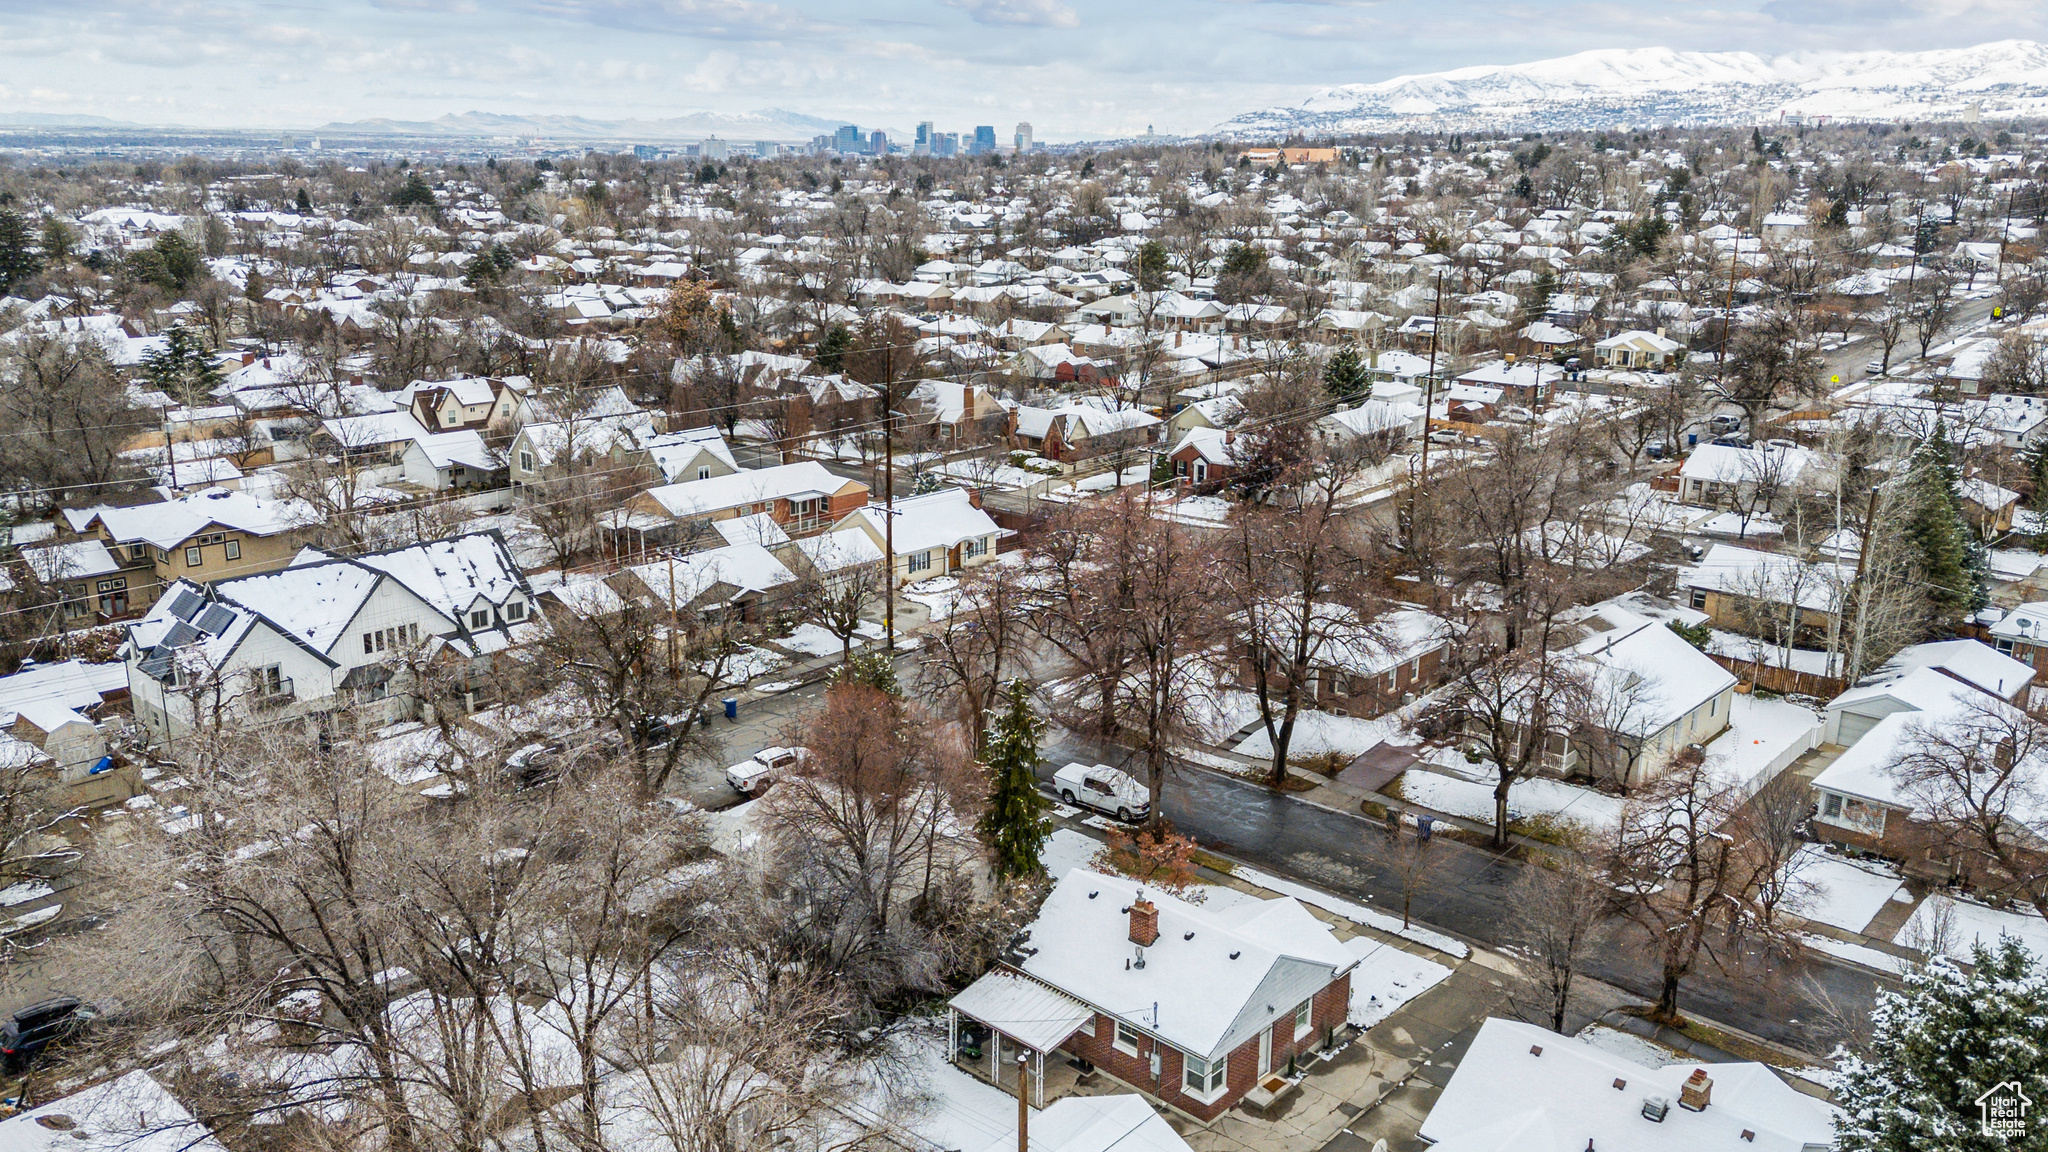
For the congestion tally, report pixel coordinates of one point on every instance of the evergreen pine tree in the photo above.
(1015, 825)
(833, 348)
(1940, 1044)
(873, 669)
(2037, 472)
(1947, 559)
(305, 202)
(18, 261)
(1345, 376)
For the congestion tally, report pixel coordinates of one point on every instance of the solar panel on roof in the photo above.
(185, 603)
(180, 635)
(156, 665)
(214, 620)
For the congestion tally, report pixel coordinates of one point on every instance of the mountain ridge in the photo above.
(1639, 87)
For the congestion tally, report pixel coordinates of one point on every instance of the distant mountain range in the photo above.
(768, 124)
(59, 120)
(1638, 87)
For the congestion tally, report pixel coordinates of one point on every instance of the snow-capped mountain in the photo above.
(1627, 87)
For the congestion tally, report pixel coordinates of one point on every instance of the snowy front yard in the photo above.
(1952, 925)
(1318, 732)
(1553, 800)
(1847, 894)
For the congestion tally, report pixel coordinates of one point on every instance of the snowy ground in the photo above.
(956, 1110)
(1630, 1046)
(811, 640)
(1388, 979)
(1961, 922)
(1763, 736)
(1846, 894)
(1196, 511)
(941, 594)
(1533, 797)
(1740, 647)
(1855, 953)
(750, 662)
(1319, 732)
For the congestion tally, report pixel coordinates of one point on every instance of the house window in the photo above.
(920, 561)
(233, 549)
(269, 680)
(1201, 1078)
(192, 557)
(704, 472)
(481, 618)
(1831, 804)
(369, 643)
(526, 461)
(138, 552)
(1699, 599)
(1301, 1019)
(516, 610)
(2004, 645)
(1126, 1040)
(1713, 706)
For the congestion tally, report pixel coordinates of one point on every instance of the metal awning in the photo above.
(1034, 1015)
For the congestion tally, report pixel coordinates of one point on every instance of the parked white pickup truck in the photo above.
(754, 774)
(1105, 789)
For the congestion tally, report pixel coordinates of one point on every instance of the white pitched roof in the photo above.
(131, 1114)
(1504, 1097)
(939, 519)
(1217, 977)
(797, 481)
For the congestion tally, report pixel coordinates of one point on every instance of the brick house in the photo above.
(1861, 799)
(1205, 458)
(802, 498)
(1079, 431)
(1366, 668)
(1196, 1009)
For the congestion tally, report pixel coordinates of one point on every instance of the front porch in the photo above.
(1005, 1015)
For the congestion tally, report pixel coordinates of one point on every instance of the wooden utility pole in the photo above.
(889, 512)
(1428, 405)
(1023, 1102)
(1856, 587)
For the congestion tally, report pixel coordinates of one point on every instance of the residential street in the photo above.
(1465, 891)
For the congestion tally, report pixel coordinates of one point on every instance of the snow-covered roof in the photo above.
(1768, 576)
(72, 684)
(1763, 463)
(1523, 1088)
(1927, 701)
(131, 1114)
(172, 522)
(744, 568)
(1121, 1123)
(1971, 661)
(1218, 978)
(939, 519)
(803, 480)
(1654, 671)
(1036, 1015)
(454, 573)
(76, 560)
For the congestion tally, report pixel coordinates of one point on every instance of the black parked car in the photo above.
(38, 1026)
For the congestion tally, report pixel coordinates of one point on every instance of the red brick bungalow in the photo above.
(1196, 1009)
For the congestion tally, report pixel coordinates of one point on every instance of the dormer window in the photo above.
(516, 610)
(481, 618)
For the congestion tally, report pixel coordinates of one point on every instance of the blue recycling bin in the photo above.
(732, 708)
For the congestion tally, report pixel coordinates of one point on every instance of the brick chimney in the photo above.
(1144, 923)
(1693, 1094)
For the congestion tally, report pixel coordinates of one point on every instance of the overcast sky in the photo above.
(1074, 68)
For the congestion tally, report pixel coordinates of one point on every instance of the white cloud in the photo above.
(1020, 13)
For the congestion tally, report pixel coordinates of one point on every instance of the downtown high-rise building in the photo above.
(1023, 138)
(984, 140)
(846, 139)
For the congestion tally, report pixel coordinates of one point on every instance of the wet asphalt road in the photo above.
(1465, 892)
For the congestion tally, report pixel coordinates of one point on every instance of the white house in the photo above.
(323, 635)
(1523, 1088)
(936, 534)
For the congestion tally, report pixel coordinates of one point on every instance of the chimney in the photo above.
(1696, 1090)
(1144, 922)
(1177, 337)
